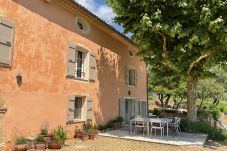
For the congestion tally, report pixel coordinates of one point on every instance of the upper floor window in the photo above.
(82, 25)
(6, 41)
(131, 53)
(81, 63)
(130, 76)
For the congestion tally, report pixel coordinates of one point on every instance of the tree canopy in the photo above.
(178, 38)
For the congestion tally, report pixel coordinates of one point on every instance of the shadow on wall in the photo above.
(110, 79)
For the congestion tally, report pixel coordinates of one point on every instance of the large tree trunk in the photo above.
(191, 100)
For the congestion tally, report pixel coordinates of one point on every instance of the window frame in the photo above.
(84, 63)
(130, 68)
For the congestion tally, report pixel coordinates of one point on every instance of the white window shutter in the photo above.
(122, 108)
(126, 75)
(135, 72)
(137, 108)
(89, 114)
(6, 41)
(143, 108)
(71, 108)
(71, 60)
(92, 66)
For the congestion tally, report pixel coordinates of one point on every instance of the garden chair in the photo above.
(140, 123)
(158, 125)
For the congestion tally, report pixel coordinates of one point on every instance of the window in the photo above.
(131, 53)
(130, 76)
(80, 65)
(6, 41)
(78, 104)
(80, 108)
(82, 25)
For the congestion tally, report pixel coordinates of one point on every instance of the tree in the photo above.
(210, 89)
(167, 87)
(182, 38)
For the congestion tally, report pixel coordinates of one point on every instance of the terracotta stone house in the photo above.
(62, 65)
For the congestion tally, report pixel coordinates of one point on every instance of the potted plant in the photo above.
(40, 143)
(46, 136)
(92, 133)
(85, 135)
(21, 144)
(78, 132)
(58, 138)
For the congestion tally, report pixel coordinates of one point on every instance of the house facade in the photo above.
(62, 65)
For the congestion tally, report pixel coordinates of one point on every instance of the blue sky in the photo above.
(99, 8)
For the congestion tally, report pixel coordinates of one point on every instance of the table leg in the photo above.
(130, 127)
(167, 129)
(148, 128)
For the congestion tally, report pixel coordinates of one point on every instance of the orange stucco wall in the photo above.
(42, 32)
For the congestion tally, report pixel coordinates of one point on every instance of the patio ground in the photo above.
(114, 144)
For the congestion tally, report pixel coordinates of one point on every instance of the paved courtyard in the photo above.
(185, 139)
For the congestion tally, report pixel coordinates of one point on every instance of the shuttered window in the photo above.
(80, 108)
(130, 76)
(81, 64)
(6, 41)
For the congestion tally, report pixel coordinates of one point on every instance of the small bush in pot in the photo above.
(78, 132)
(21, 144)
(58, 138)
(40, 143)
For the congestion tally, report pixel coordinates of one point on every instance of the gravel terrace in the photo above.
(113, 144)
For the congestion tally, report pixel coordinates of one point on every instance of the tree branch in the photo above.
(197, 61)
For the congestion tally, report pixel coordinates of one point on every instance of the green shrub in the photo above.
(203, 127)
(158, 112)
(43, 131)
(39, 138)
(20, 140)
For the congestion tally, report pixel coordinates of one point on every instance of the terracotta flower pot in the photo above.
(21, 147)
(84, 137)
(40, 145)
(54, 145)
(91, 136)
(47, 138)
(78, 135)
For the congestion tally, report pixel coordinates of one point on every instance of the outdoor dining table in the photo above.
(166, 121)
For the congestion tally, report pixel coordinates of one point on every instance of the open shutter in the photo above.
(71, 60)
(92, 66)
(6, 41)
(122, 108)
(137, 108)
(71, 108)
(143, 108)
(135, 74)
(126, 75)
(89, 115)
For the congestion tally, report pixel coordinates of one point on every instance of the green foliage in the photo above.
(110, 124)
(39, 138)
(60, 135)
(158, 112)
(43, 131)
(21, 140)
(213, 133)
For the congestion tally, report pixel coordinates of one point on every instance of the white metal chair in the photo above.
(157, 124)
(140, 123)
(176, 125)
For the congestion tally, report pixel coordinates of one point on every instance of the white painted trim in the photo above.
(127, 97)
